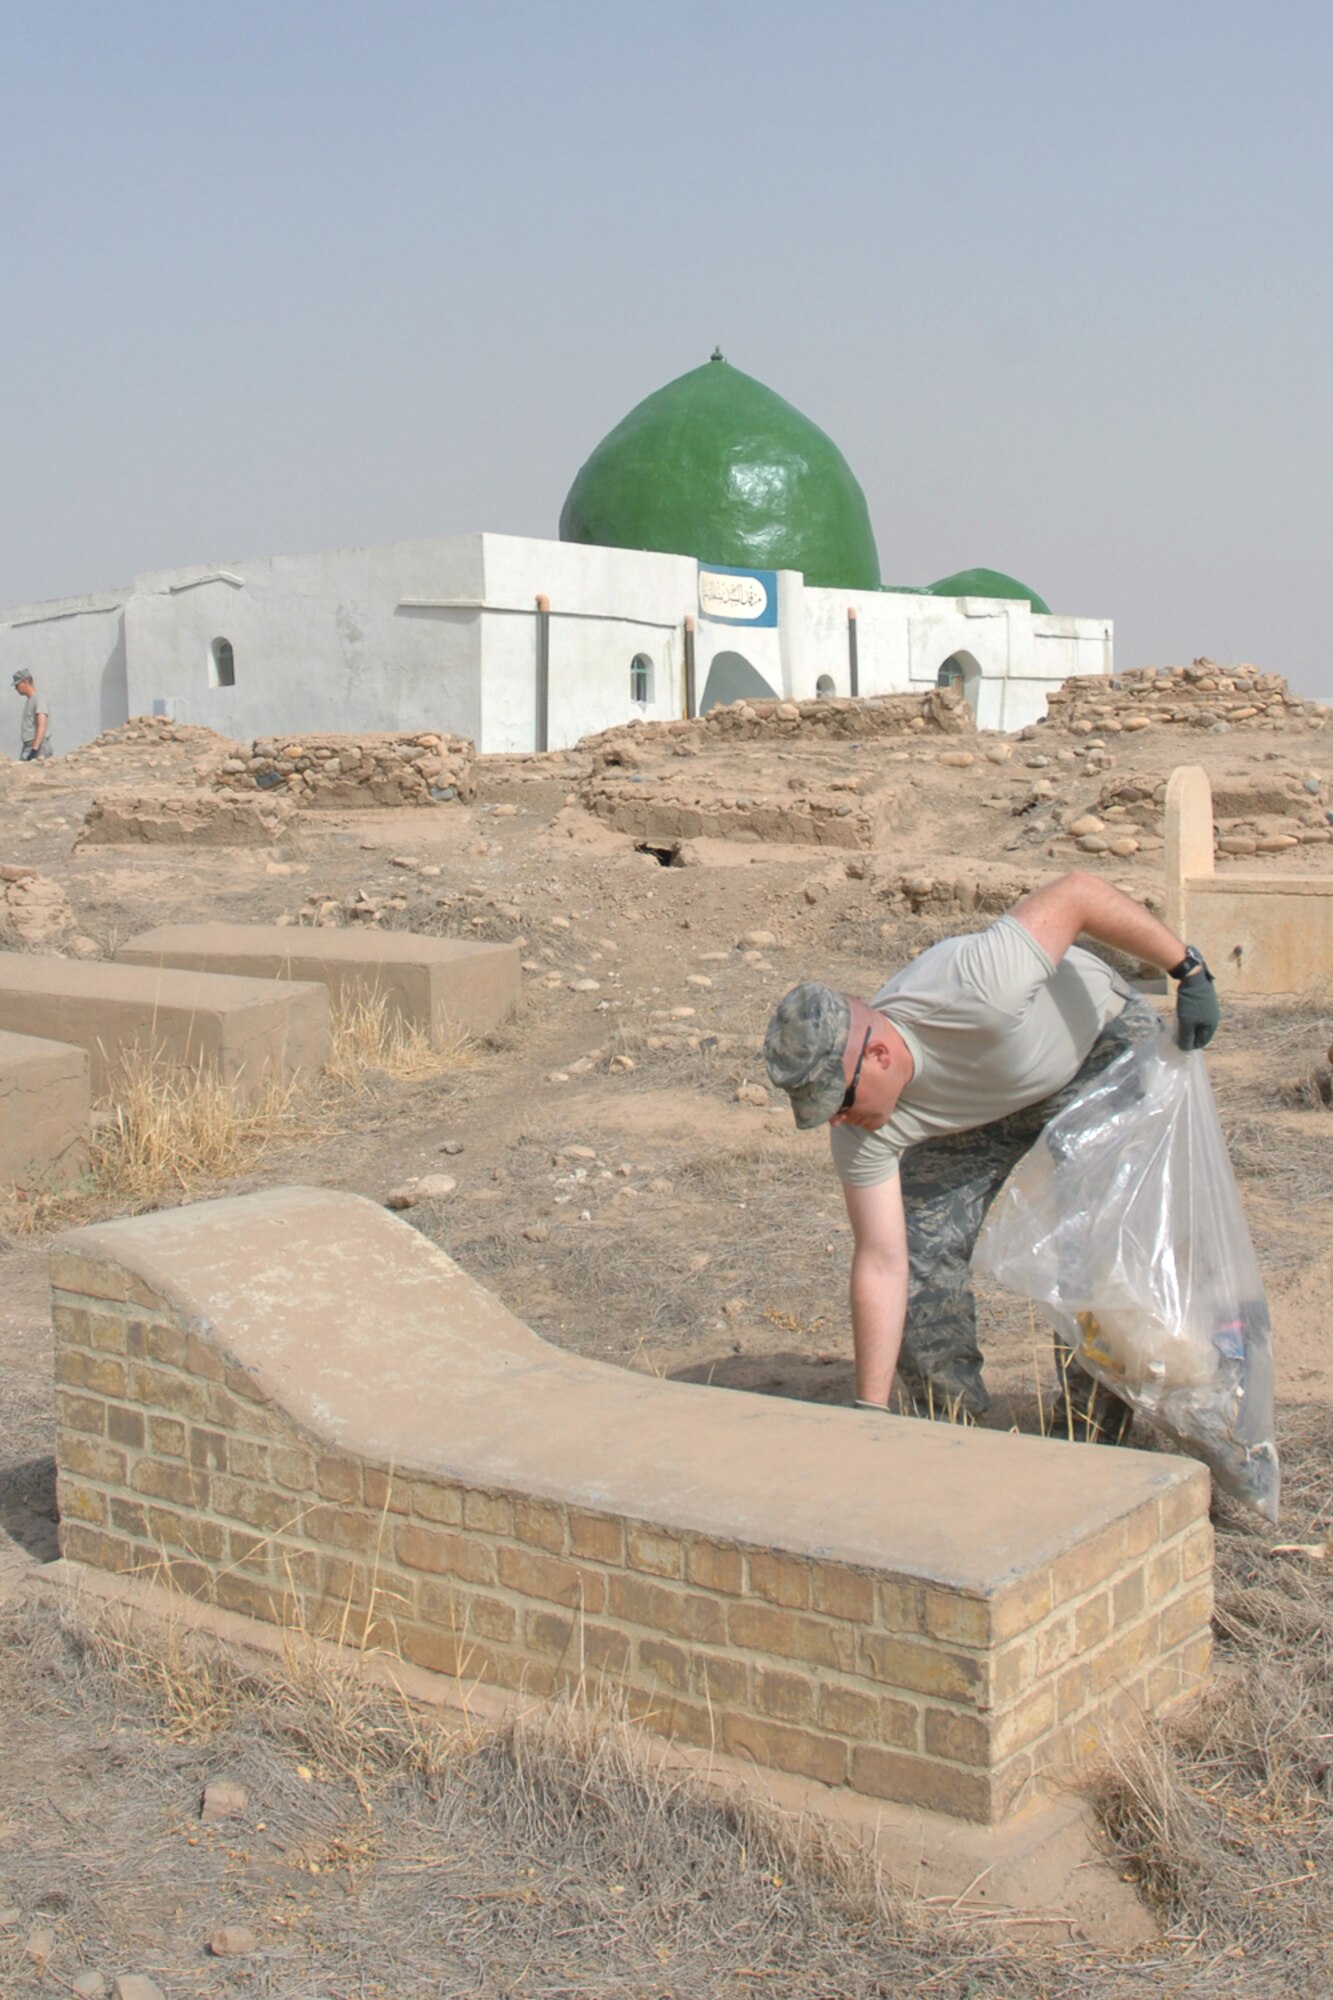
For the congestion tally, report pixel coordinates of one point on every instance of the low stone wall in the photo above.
(1201, 696)
(417, 769)
(186, 820)
(292, 1405)
(942, 710)
(661, 807)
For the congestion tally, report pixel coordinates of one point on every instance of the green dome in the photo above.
(716, 466)
(984, 583)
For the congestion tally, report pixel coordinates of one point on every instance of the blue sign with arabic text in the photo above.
(738, 596)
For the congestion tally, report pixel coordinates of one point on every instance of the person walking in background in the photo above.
(35, 730)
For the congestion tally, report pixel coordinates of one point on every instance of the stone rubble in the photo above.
(943, 710)
(415, 768)
(1201, 696)
(34, 910)
(183, 820)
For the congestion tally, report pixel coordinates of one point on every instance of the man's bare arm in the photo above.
(1056, 913)
(879, 1284)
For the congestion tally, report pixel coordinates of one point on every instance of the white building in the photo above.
(524, 644)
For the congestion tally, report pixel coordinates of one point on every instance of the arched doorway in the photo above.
(732, 678)
(961, 671)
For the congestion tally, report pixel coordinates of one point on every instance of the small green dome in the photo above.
(716, 466)
(984, 583)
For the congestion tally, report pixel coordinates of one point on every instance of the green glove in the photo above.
(1198, 1015)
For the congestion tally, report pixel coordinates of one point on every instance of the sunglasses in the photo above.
(849, 1095)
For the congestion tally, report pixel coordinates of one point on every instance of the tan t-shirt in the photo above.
(992, 1023)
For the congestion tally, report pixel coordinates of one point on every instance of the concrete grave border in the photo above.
(293, 1406)
(1259, 933)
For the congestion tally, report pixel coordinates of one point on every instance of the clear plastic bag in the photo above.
(1125, 1222)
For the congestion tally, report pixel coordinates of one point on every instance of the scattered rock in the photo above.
(224, 1798)
(135, 1986)
(537, 1232)
(430, 1187)
(89, 1985)
(751, 1093)
(39, 1945)
(233, 1941)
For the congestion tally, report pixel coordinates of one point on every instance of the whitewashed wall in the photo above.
(356, 639)
(606, 606)
(74, 648)
(444, 634)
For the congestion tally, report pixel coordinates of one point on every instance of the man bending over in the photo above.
(936, 1087)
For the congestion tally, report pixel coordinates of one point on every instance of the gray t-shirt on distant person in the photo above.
(992, 1024)
(32, 708)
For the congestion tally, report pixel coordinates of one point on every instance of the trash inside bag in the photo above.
(1125, 1222)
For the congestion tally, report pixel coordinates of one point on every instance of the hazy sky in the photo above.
(1056, 277)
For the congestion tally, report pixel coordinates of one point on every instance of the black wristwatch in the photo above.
(1193, 961)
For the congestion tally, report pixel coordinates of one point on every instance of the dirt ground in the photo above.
(623, 1184)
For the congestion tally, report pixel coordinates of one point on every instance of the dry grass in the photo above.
(1293, 1160)
(164, 1133)
(370, 1035)
(390, 1852)
(1225, 1816)
(170, 1131)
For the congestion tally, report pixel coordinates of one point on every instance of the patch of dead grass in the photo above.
(1224, 1814)
(369, 1034)
(165, 1133)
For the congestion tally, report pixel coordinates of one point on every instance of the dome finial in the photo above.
(717, 355)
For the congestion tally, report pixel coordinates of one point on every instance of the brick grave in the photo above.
(293, 1406)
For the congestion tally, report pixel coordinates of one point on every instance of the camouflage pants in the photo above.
(948, 1185)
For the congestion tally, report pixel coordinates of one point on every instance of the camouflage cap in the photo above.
(21, 676)
(803, 1050)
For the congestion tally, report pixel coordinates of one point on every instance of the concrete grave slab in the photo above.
(254, 1032)
(1260, 934)
(293, 1406)
(45, 1111)
(439, 984)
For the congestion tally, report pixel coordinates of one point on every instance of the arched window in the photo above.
(826, 685)
(641, 679)
(221, 664)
